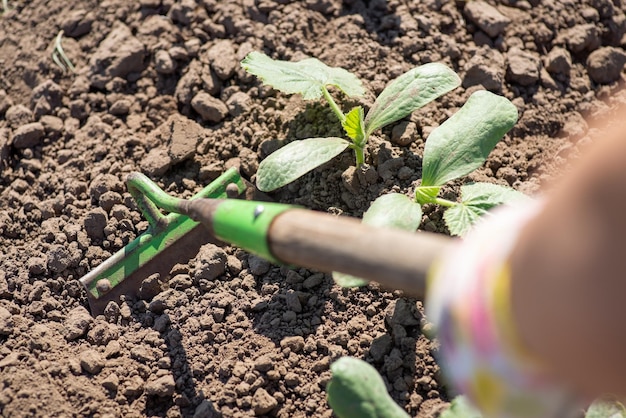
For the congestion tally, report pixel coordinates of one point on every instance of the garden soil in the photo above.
(157, 88)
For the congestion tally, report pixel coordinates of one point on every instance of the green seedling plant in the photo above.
(311, 78)
(356, 390)
(453, 150)
(59, 56)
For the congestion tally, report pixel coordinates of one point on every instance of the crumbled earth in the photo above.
(158, 89)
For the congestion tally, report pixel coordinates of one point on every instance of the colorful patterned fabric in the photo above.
(468, 302)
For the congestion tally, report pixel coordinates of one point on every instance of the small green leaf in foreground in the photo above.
(606, 409)
(462, 143)
(353, 125)
(391, 210)
(460, 408)
(306, 77)
(476, 200)
(356, 390)
(409, 92)
(296, 159)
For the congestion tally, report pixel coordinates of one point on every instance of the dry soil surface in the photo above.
(158, 89)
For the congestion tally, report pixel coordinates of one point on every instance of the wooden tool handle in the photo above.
(395, 259)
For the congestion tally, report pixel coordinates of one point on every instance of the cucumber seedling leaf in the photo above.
(306, 77)
(409, 92)
(476, 200)
(606, 409)
(460, 408)
(356, 390)
(462, 143)
(353, 125)
(296, 159)
(391, 210)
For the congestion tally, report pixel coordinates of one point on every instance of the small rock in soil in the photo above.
(210, 263)
(486, 17)
(559, 61)
(111, 382)
(605, 64)
(295, 343)
(77, 23)
(404, 133)
(209, 108)
(18, 115)
(163, 386)
(263, 363)
(6, 321)
(485, 68)
(77, 323)
(523, 67)
(293, 302)
(581, 37)
(91, 361)
(163, 62)
(380, 347)
(36, 265)
(258, 265)
(206, 410)
(223, 59)
(95, 222)
(150, 287)
(52, 124)
(156, 163)
(238, 103)
(59, 259)
(402, 312)
(120, 107)
(263, 402)
(29, 135)
(118, 55)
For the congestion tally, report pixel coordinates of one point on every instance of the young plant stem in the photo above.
(444, 202)
(360, 156)
(333, 105)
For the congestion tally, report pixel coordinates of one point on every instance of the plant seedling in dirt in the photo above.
(59, 57)
(311, 78)
(453, 150)
(356, 390)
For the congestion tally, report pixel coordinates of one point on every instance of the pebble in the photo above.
(29, 135)
(313, 281)
(91, 361)
(162, 387)
(380, 347)
(111, 382)
(605, 65)
(558, 61)
(120, 107)
(523, 67)
(209, 108)
(485, 68)
(18, 115)
(404, 133)
(223, 59)
(263, 363)
(293, 302)
(263, 402)
(163, 62)
(58, 259)
(95, 222)
(6, 322)
(486, 17)
(210, 263)
(402, 312)
(239, 103)
(77, 323)
(206, 410)
(258, 265)
(294, 343)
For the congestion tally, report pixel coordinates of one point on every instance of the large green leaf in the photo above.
(409, 92)
(460, 408)
(391, 210)
(462, 143)
(296, 159)
(606, 409)
(306, 77)
(356, 390)
(476, 200)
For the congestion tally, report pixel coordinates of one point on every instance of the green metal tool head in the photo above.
(170, 239)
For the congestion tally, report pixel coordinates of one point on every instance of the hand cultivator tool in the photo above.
(281, 233)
